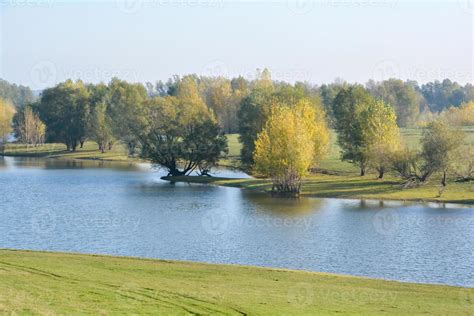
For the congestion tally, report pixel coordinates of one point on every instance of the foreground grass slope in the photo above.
(53, 283)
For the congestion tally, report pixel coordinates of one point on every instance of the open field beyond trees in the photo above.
(56, 283)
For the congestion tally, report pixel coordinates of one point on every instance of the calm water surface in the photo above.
(123, 209)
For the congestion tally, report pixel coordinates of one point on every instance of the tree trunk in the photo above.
(443, 180)
(82, 144)
(381, 173)
(176, 173)
(362, 172)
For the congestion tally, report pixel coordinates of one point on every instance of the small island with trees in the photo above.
(407, 142)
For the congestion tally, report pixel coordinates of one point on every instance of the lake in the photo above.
(124, 209)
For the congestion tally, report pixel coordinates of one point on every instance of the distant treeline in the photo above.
(412, 102)
(181, 124)
(14, 94)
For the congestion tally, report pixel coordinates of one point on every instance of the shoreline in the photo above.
(240, 183)
(360, 191)
(229, 265)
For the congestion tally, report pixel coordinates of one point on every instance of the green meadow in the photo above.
(69, 284)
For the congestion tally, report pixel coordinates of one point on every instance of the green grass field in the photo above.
(57, 283)
(90, 151)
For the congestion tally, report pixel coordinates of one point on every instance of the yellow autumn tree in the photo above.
(461, 116)
(294, 139)
(6, 115)
(380, 134)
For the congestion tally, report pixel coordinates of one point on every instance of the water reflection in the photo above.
(52, 163)
(3, 163)
(282, 206)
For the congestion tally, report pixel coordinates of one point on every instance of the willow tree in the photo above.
(380, 134)
(294, 139)
(181, 134)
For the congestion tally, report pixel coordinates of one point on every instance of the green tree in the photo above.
(125, 108)
(180, 133)
(400, 95)
(17, 95)
(65, 111)
(380, 134)
(348, 126)
(439, 145)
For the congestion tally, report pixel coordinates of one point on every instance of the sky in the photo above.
(46, 42)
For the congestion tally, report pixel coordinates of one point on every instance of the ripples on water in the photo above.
(125, 209)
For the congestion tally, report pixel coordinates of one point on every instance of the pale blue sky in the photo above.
(44, 42)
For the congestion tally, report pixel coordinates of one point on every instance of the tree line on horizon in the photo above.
(181, 124)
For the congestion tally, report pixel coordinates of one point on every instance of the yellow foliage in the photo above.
(380, 133)
(294, 139)
(6, 115)
(462, 116)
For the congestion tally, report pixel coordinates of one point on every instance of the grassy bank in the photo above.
(53, 283)
(88, 152)
(343, 182)
(353, 187)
